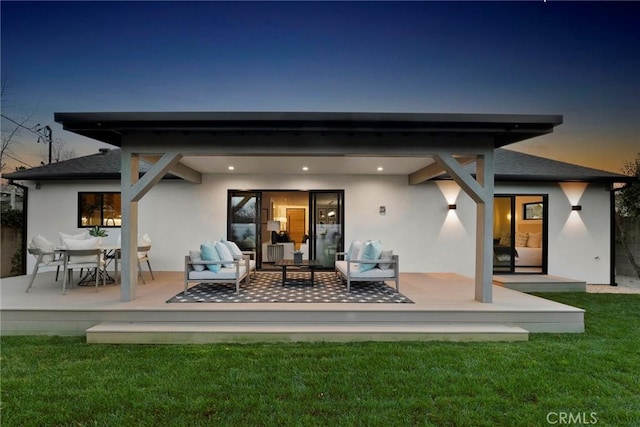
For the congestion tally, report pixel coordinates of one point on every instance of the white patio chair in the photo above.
(143, 256)
(81, 259)
(45, 259)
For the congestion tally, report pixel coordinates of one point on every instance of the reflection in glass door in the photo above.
(244, 219)
(327, 228)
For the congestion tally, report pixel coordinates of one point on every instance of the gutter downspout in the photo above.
(612, 219)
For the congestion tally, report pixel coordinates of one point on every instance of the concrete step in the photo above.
(215, 332)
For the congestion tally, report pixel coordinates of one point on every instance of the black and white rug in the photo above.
(267, 287)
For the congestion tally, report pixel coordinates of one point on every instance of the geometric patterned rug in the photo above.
(267, 287)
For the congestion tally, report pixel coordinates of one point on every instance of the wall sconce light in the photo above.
(452, 206)
(576, 207)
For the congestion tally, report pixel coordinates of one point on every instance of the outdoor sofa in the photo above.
(232, 269)
(359, 264)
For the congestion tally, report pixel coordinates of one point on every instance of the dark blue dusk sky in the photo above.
(581, 60)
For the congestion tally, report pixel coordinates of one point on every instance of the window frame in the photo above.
(96, 193)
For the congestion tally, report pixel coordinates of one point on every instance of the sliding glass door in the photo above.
(244, 219)
(326, 210)
(520, 233)
(317, 214)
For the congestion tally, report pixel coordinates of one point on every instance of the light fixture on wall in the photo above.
(452, 206)
(576, 207)
(273, 227)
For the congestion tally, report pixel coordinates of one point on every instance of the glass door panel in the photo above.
(244, 220)
(327, 212)
(503, 248)
(520, 234)
(530, 231)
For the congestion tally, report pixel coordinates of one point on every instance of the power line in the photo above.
(45, 134)
(20, 124)
(17, 160)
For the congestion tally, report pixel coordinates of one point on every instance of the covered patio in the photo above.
(444, 309)
(175, 142)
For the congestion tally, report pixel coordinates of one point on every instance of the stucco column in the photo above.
(484, 229)
(480, 190)
(129, 239)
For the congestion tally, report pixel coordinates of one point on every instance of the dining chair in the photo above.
(143, 256)
(81, 259)
(45, 259)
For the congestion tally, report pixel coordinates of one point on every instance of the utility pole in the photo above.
(45, 135)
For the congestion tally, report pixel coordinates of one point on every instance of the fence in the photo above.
(11, 248)
(623, 265)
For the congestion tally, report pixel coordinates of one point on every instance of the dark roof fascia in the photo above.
(552, 179)
(77, 177)
(530, 178)
(110, 126)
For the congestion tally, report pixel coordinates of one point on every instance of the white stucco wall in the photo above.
(418, 225)
(579, 241)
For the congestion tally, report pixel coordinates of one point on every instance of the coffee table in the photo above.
(305, 265)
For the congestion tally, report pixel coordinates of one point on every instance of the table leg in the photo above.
(312, 277)
(284, 275)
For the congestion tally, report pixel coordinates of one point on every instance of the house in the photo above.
(438, 188)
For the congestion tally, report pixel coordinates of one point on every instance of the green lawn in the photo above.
(589, 377)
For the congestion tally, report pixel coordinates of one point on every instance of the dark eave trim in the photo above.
(110, 126)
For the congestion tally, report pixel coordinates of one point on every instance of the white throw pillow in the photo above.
(195, 256)
(505, 238)
(233, 248)
(81, 236)
(386, 254)
(225, 255)
(91, 243)
(535, 240)
(521, 239)
(354, 250)
(44, 245)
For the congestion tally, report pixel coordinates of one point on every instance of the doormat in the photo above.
(267, 287)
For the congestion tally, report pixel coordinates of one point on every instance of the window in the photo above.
(102, 209)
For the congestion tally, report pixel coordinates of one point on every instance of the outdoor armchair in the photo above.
(45, 259)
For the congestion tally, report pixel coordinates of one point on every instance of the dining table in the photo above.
(111, 254)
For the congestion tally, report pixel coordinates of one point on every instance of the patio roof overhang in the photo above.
(503, 129)
(447, 141)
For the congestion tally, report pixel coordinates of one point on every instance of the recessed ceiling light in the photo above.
(380, 168)
(305, 168)
(231, 168)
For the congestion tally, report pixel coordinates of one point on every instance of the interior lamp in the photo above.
(274, 228)
(452, 206)
(576, 207)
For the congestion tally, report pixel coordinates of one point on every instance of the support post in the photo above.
(484, 229)
(480, 190)
(129, 237)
